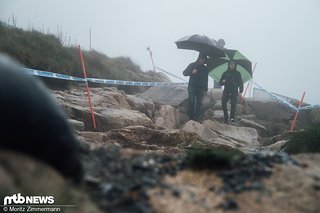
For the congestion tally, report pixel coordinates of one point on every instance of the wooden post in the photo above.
(154, 68)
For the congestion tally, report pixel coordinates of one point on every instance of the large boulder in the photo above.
(169, 117)
(112, 108)
(244, 134)
(76, 125)
(107, 118)
(216, 134)
(262, 130)
(100, 98)
(167, 95)
(198, 128)
(119, 118)
(142, 105)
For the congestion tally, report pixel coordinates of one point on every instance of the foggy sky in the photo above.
(281, 36)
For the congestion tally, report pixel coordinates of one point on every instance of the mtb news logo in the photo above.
(19, 199)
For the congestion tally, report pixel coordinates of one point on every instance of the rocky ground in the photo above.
(137, 160)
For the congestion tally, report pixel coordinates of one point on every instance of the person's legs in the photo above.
(224, 101)
(234, 99)
(197, 111)
(191, 102)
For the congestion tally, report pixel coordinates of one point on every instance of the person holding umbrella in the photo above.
(197, 86)
(233, 84)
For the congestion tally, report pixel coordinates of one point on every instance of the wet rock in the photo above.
(113, 170)
(275, 147)
(76, 125)
(142, 105)
(248, 170)
(173, 96)
(262, 130)
(201, 130)
(166, 116)
(229, 204)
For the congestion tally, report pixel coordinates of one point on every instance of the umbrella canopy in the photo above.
(200, 43)
(217, 66)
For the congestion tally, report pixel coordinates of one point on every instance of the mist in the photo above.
(282, 37)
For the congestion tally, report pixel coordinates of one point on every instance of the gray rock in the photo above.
(119, 118)
(167, 94)
(76, 125)
(199, 129)
(275, 147)
(248, 123)
(169, 117)
(142, 105)
(245, 135)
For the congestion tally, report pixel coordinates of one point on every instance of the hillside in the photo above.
(42, 51)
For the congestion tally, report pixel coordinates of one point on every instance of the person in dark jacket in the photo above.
(197, 86)
(232, 82)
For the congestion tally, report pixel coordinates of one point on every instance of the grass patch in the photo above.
(37, 50)
(305, 141)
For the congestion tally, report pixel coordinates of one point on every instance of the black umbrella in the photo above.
(200, 43)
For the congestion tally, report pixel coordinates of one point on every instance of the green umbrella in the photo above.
(217, 66)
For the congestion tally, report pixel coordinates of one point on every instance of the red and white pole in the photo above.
(296, 115)
(87, 87)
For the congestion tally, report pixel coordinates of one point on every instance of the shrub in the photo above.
(305, 141)
(315, 115)
(204, 158)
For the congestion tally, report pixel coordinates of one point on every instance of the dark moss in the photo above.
(203, 158)
(305, 141)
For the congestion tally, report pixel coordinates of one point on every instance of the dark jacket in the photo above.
(198, 80)
(233, 81)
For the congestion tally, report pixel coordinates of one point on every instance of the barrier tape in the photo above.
(53, 75)
(287, 103)
(310, 107)
(276, 97)
(150, 84)
(99, 80)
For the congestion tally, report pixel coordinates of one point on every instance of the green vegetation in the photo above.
(305, 141)
(203, 158)
(315, 115)
(41, 51)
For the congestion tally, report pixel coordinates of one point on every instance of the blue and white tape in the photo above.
(52, 75)
(147, 84)
(134, 83)
(310, 107)
(101, 81)
(276, 97)
(287, 103)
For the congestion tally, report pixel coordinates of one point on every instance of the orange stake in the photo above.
(87, 87)
(296, 115)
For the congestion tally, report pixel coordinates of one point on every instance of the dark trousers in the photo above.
(233, 96)
(195, 102)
